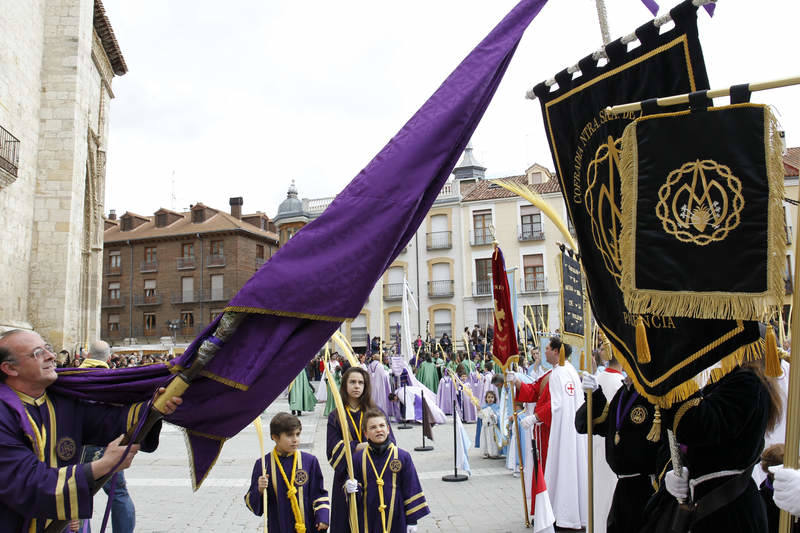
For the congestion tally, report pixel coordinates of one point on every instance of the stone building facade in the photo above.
(57, 62)
(171, 273)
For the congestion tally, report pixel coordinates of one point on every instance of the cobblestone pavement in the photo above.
(490, 501)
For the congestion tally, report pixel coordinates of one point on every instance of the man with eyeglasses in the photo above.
(41, 436)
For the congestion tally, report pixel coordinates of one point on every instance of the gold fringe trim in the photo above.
(260, 311)
(186, 432)
(642, 347)
(562, 357)
(704, 304)
(748, 352)
(174, 369)
(583, 361)
(772, 364)
(655, 429)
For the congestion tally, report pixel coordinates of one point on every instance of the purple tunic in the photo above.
(402, 492)
(311, 494)
(340, 511)
(44, 479)
(445, 395)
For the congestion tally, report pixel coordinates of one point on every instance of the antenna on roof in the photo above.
(172, 202)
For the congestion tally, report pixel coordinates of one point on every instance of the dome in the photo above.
(291, 206)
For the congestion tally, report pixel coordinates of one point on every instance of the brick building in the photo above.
(172, 273)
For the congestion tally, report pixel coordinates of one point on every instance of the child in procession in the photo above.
(387, 489)
(296, 494)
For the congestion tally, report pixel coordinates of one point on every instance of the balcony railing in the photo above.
(260, 262)
(147, 299)
(186, 263)
(9, 152)
(482, 288)
(787, 280)
(216, 295)
(530, 233)
(149, 266)
(393, 291)
(116, 333)
(441, 288)
(185, 297)
(480, 237)
(143, 333)
(113, 302)
(533, 284)
(112, 271)
(215, 261)
(440, 240)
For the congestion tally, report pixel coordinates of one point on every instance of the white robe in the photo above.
(778, 434)
(566, 470)
(489, 423)
(605, 481)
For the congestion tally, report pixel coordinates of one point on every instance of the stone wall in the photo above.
(55, 79)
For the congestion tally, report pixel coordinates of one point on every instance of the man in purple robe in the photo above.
(41, 436)
(390, 498)
(301, 470)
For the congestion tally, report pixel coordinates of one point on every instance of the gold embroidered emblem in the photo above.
(300, 478)
(602, 204)
(638, 414)
(395, 465)
(700, 202)
(65, 448)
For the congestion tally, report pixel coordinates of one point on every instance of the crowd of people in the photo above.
(65, 359)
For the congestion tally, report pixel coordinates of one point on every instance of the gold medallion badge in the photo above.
(300, 478)
(395, 465)
(638, 414)
(700, 203)
(65, 448)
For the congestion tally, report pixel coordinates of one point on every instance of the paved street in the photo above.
(490, 501)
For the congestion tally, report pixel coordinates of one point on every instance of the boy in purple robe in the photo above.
(390, 497)
(41, 435)
(356, 396)
(286, 467)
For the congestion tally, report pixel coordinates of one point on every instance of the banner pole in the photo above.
(520, 460)
(792, 440)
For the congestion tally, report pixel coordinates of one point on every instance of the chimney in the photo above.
(112, 215)
(236, 207)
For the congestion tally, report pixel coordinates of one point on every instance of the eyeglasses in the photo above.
(39, 353)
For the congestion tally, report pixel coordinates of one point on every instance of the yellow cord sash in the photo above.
(379, 482)
(291, 491)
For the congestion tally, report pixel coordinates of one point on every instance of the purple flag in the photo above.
(325, 273)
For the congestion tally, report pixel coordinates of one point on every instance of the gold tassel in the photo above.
(772, 363)
(583, 360)
(642, 348)
(561, 355)
(655, 429)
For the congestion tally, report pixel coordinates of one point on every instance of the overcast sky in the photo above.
(238, 98)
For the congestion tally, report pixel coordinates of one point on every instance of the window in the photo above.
(481, 223)
(149, 322)
(539, 317)
(187, 249)
(485, 318)
(483, 276)
(533, 270)
(113, 290)
(187, 320)
(217, 248)
(113, 323)
(150, 254)
(114, 260)
(358, 330)
(161, 220)
(395, 318)
(198, 216)
(149, 288)
(187, 289)
(442, 323)
(259, 251)
(531, 223)
(214, 313)
(217, 284)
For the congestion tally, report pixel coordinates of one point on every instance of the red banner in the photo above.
(504, 347)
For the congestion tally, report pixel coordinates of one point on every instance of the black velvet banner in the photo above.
(585, 142)
(703, 233)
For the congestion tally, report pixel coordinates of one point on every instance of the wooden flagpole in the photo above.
(792, 440)
(260, 432)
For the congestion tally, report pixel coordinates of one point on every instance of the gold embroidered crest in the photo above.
(700, 203)
(395, 465)
(65, 448)
(638, 414)
(300, 478)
